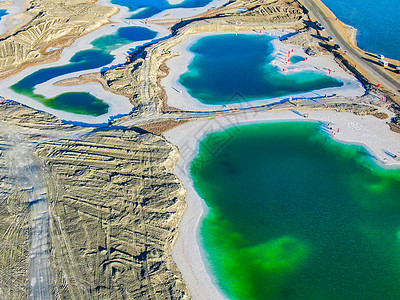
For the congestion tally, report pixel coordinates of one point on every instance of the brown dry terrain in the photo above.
(14, 230)
(114, 208)
(49, 23)
(20, 128)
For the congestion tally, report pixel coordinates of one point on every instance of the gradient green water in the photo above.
(296, 215)
(98, 56)
(227, 64)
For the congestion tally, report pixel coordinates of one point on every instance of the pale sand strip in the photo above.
(178, 13)
(118, 104)
(178, 96)
(174, 2)
(369, 131)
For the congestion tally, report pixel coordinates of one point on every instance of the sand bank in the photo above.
(178, 13)
(369, 131)
(179, 97)
(174, 2)
(118, 104)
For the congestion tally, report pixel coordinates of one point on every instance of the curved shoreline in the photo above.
(80, 44)
(179, 97)
(368, 131)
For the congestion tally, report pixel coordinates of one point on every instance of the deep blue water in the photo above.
(377, 23)
(151, 8)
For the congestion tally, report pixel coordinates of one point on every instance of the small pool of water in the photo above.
(227, 65)
(296, 58)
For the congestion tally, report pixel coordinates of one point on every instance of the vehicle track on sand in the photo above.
(27, 171)
(24, 168)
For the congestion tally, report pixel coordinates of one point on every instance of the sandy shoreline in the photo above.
(178, 13)
(178, 96)
(118, 104)
(369, 131)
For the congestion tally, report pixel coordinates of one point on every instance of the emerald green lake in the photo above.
(228, 64)
(293, 214)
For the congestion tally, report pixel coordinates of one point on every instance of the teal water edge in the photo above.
(151, 8)
(98, 56)
(227, 64)
(376, 21)
(293, 214)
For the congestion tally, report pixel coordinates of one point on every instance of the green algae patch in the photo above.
(281, 255)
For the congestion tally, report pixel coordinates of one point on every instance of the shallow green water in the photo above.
(296, 215)
(227, 65)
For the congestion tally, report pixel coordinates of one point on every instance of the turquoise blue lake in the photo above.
(98, 56)
(296, 215)
(376, 22)
(296, 58)
(229, 64)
